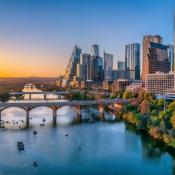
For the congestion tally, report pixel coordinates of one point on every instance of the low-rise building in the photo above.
(120, 85)
(135, 86)
(160, 83)
(107, 85)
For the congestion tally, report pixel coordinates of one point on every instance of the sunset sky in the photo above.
(37, 36)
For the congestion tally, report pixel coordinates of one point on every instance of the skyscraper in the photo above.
(71, 69)
(121, 65)
(132, 59)
(108, 66)
(97, 71)
(171, 56)
(95, 50)
(85, 66)
(155, 56)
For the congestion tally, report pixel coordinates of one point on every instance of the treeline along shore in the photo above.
(145, 113)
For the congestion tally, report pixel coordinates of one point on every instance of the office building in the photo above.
(121, 65)
(108, 66)
(71, 69)
(95, 50)
(97, 71)
(85, 66)
(132, 59)
(120, 85)
(155, 56)
(160, 83)
(171, 56)
(123, 74)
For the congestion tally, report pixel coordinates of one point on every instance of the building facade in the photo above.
(97, 71)
(132, 59)
(71, 69)
(171, 56)
(95, 50)
(155, 56)
(85, 66)
(108, 66)
(121, 65)
(160, 83)
(123, 74)
(120, 85)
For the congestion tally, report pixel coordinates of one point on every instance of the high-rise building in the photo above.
(155, 56)
(71, 69)
(97, 71)
(132, 59)
(121, 65)
(174, 42)
(85, 63)
(95, 50)
(108, 66)
(171, 56)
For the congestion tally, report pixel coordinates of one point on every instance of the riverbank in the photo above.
(151, 116)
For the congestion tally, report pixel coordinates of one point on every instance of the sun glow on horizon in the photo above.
(19, 63)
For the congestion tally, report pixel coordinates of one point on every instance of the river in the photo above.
(101, 147)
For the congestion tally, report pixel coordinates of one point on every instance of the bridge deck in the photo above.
(59, 103)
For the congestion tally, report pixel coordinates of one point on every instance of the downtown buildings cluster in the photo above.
(91, 70)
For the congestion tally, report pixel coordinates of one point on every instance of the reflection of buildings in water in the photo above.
(15, 118)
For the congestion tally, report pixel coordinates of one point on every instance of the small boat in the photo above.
(35, 164)
(42, 124)
(20, 146)
(66, 135)
(44, 119)
(35, 132)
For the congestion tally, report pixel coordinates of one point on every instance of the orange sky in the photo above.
(24, 63)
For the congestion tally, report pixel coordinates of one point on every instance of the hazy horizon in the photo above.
(38, 36)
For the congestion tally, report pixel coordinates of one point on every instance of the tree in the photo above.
(145, 107)
(5, 96)
(173, 121)
(141, 95)
(149, 96)
(155, 133)
(160, 102)
(171, 106)
(128, 95)
(116, 94)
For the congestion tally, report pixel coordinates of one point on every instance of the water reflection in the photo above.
(15, 118)
(106, 148)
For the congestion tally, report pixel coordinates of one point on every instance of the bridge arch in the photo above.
(37, 107)
(3, 109)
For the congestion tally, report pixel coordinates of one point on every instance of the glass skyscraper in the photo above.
(132, 59)
(108, 66)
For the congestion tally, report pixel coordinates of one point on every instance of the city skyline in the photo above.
(37, 42)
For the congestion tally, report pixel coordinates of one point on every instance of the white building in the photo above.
(160, 83)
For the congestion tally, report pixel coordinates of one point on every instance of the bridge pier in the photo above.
(27, 117)
(0, 119)
(101, 111)
(45, 96)
(30, 96)
(54, 108)
(78, 111)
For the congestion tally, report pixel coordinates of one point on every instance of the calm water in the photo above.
(106, 147)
